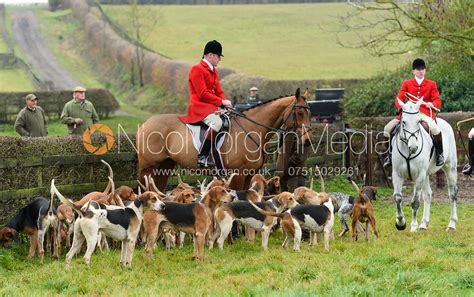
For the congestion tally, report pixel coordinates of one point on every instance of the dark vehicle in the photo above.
(326, 106)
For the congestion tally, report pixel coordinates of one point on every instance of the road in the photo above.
(28, 36)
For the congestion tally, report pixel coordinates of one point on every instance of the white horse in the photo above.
(413, 158)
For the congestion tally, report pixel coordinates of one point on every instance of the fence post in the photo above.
(370, 180)
(40, 177)
(347, 152)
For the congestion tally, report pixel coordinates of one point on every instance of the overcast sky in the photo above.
(23, 1)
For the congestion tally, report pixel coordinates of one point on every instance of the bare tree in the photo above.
(143, 22)
(397, 27)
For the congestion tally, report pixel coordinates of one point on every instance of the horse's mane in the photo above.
(265, 102)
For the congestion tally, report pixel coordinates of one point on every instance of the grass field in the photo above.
(14, 80)
(3, 46)
(430, 263)
(282, 41)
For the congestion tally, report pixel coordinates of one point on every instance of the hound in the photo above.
(153, 222)
(196, 218)
(273, 186)
(317, 218)
(122, 224)
(36, 219)
(363, 212)
(66, 223)
(242, 211)
(306, 195)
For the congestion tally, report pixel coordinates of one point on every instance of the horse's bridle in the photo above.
(292, 112)
(287, 129)
(280, 130)
(404, 139)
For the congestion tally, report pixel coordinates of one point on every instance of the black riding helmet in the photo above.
(214, 47)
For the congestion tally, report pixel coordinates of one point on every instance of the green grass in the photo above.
(55, 128)
(14, 80)
(282, 41)
(3, 46)
(431, 263)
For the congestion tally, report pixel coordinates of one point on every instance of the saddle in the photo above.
(198, 131)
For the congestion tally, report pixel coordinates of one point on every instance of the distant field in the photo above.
(286, 41)
(14, 80)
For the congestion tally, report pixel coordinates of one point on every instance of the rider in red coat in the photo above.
(419, 87)
(206, 97)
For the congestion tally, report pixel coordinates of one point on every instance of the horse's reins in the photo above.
(405, 140)
(242, 115)
(278, 130)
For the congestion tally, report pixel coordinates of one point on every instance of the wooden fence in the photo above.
(27, 176)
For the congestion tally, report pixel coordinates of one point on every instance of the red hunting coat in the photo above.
(427, 89)
(205, 92)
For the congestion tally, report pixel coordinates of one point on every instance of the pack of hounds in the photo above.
(207, 212)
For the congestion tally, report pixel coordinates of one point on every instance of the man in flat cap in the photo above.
(206, 97)
(79, 113)
(31, 121)
(419, 87)
(253, 98)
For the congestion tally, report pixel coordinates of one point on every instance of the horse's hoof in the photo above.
(402, 227)
(450, 229)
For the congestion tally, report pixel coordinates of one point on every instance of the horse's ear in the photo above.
(297, 93)
(306, 94)
(400, 102)
(418, 104)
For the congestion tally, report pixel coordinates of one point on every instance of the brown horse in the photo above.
(164, 141)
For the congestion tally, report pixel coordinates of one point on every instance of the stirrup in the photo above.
(204, 162)
(467, 170)
(388, 161)
(439, 160)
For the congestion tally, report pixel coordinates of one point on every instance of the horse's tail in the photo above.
(355, 186)
(67, 202)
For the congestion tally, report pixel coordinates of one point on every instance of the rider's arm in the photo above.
(435, 99)
(198, 81)
(401, 95)
(219, 91)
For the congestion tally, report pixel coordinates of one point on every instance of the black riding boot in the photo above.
(387, 162)
(206, 148)
(470, 167)
(438, 143)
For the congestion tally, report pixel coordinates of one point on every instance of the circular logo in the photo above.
(104, 147)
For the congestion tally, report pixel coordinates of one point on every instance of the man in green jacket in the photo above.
(31, 120)
(253, 98)
(79, 113)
